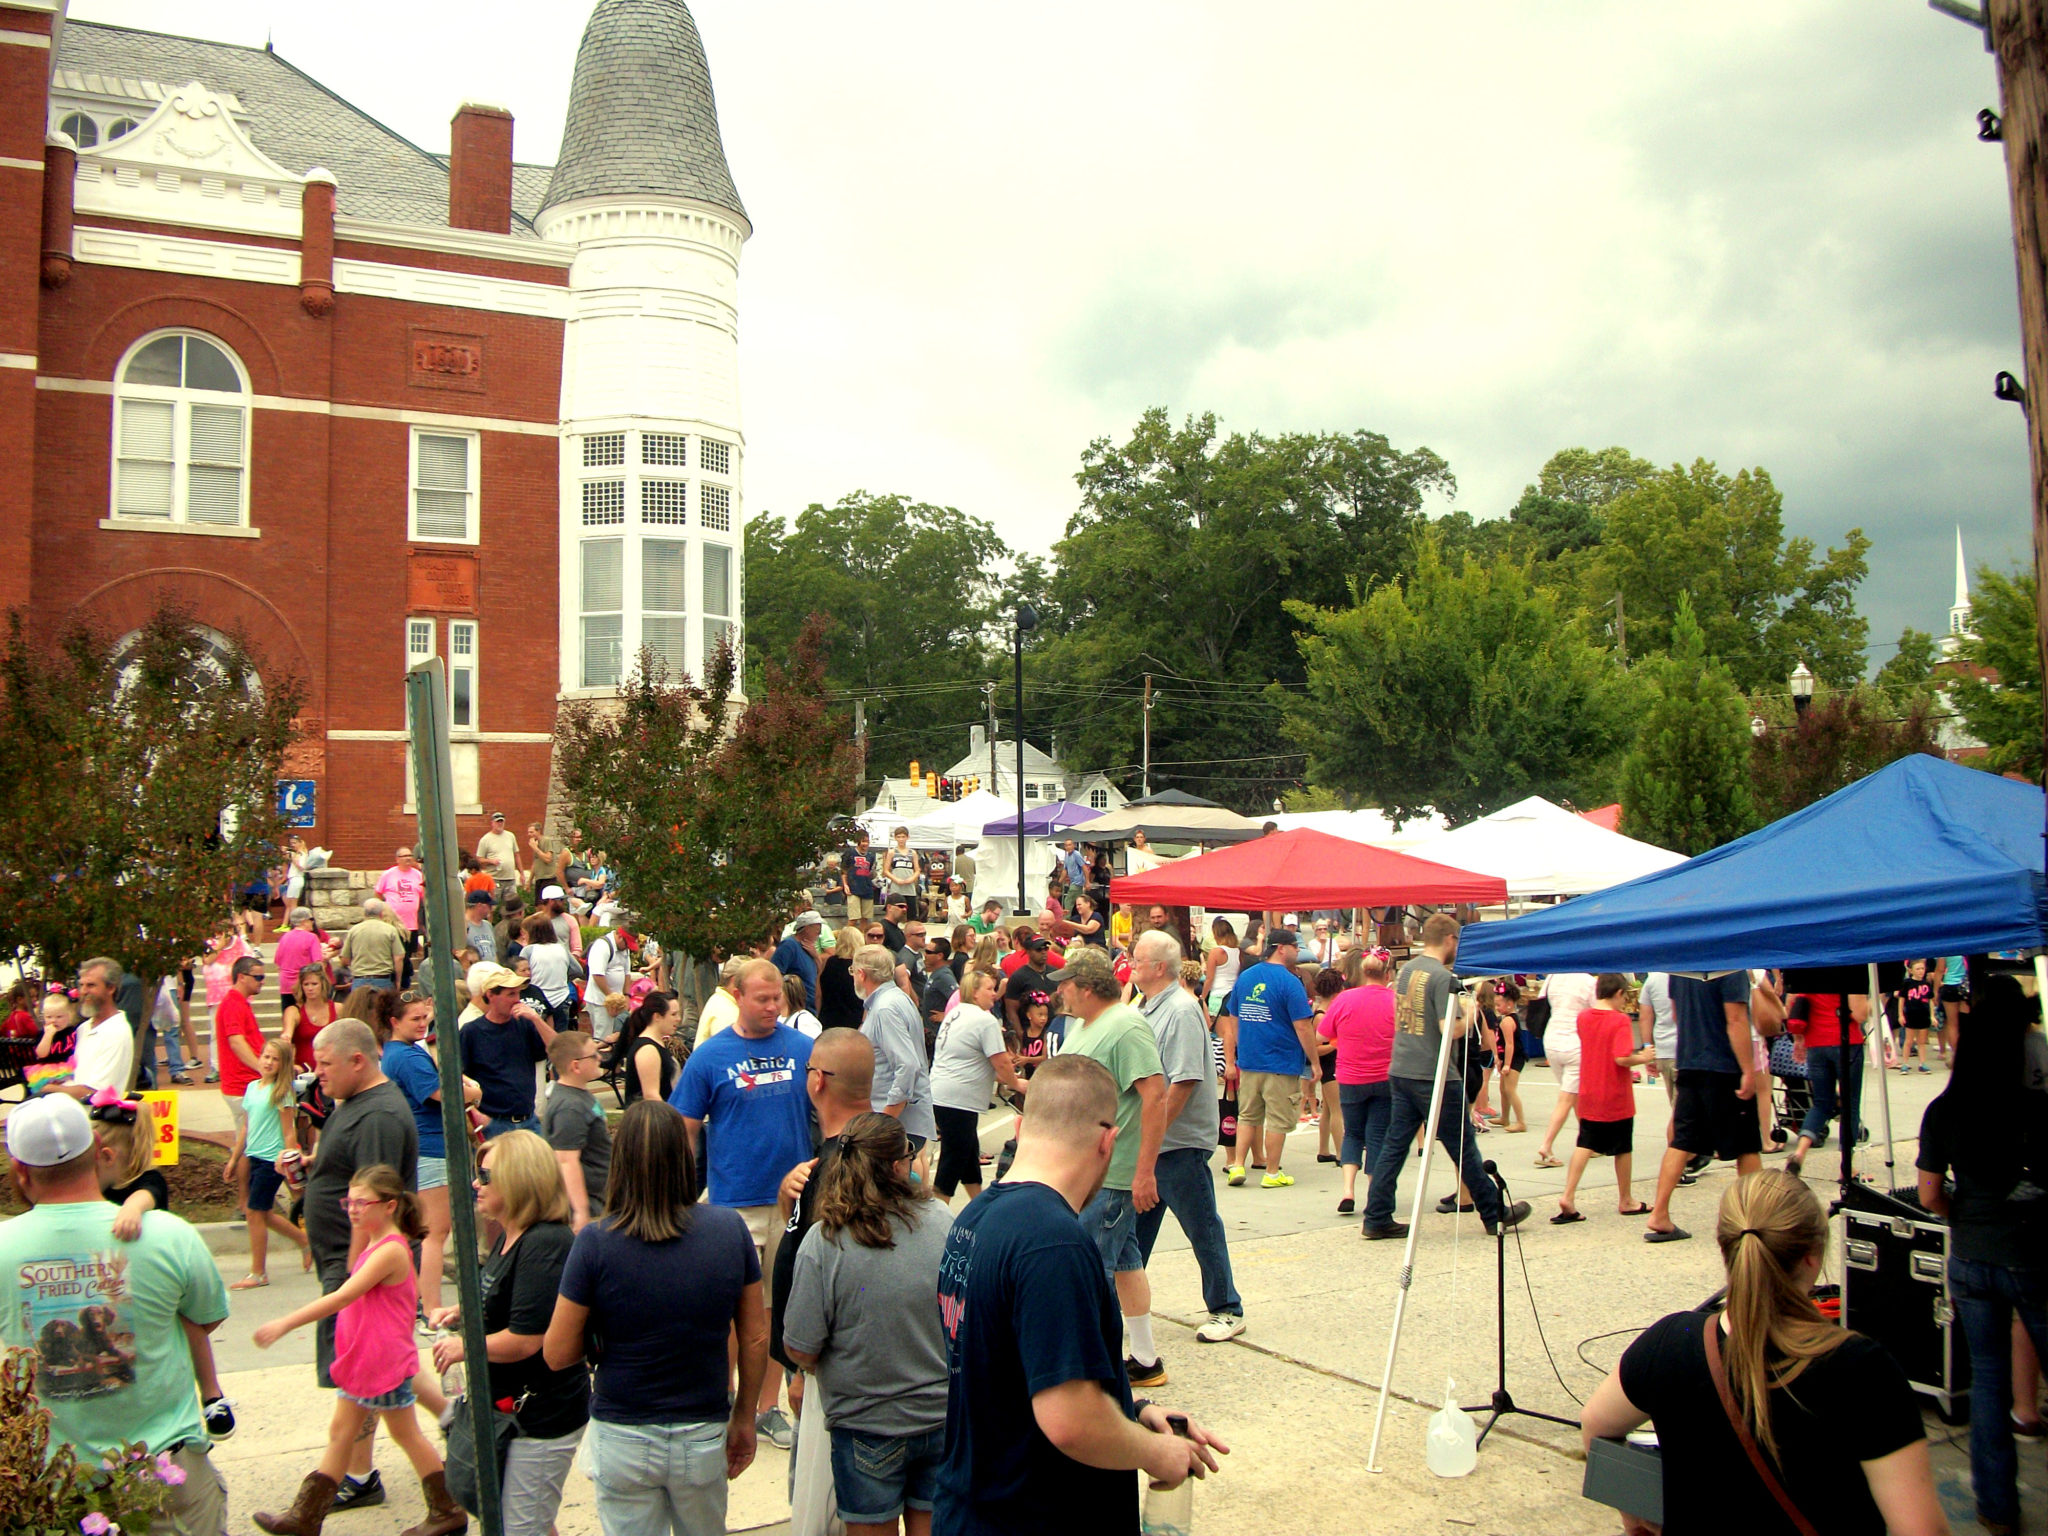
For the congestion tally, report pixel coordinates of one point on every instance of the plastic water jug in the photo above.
(1452, 1448)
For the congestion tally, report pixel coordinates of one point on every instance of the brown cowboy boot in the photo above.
(444, 1515)
(308, 1511)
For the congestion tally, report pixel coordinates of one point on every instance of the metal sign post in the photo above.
(426, 698)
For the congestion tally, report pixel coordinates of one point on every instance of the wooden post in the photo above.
(2018, 34)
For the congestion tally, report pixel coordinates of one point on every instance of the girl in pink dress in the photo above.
(375, 1358)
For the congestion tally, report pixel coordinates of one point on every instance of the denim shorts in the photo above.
(1112, 1220)
(433, 1173)
(877, 1477)
(399, 1396)
(264, 1183)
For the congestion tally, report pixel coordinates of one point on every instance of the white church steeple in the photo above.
(1959, 611)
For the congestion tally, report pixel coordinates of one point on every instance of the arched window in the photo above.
(120, 128)
(85, 133)
(181, 433)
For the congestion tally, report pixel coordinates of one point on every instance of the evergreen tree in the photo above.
(1686, 784)
(1998, 694)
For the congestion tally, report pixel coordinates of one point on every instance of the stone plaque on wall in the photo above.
(445, 360)
(441, 583)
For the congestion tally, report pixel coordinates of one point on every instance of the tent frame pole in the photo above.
(1884, 1086)
(1436, 1106)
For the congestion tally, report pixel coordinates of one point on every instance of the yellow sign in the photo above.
(164, 1106)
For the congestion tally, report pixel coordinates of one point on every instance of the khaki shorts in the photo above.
(199, 1505)
(1271, 1099)
(764, 1224)
(860, 908)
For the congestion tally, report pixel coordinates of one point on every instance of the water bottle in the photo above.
(1170, 1511)
(1452, 1448)
(454, 1379)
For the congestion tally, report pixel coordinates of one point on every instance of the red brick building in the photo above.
(360, 402)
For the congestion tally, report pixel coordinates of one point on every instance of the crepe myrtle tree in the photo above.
(138, 789)
(710, 812)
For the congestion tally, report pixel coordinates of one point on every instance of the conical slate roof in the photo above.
(642, 118)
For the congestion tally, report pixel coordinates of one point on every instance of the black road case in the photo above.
(1895, 1290)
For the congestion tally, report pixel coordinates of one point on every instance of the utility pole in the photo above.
(1146, 777)
(995, 783)
(860, 737)
(1621, 627)
(2016, 31)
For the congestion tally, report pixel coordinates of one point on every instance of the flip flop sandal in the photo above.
(1566, 1218)
(1675, 1235)
(1548, 1162)
(249, 1282)
(1638, 1209)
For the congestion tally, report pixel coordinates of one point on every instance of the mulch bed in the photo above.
(198, 1192)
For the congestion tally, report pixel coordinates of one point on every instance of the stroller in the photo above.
(1792, 1096)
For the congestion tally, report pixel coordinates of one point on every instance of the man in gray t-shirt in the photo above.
(867, 1322)
(1186, 1186)
(1422, 1002)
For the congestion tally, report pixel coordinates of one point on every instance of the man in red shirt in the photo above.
(240, 1041)
(1607, 1095)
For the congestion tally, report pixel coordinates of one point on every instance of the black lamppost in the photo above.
(1027, 618)
(1802, 688)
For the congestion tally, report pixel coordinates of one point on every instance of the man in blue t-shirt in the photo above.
(857, 877)
(1715, 1112)
(501, 1049)
(746, 1084)
(1269, 1040)
(1041, 1430)
(797, 954)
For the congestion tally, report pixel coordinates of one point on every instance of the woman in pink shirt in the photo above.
(1361, 1021)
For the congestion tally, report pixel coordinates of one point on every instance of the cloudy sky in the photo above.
(1762, 233)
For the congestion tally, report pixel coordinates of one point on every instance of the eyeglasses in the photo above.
(360, 1202)
(1107, 1125)
(483, 1178)
(824, 1072)
(875, 933)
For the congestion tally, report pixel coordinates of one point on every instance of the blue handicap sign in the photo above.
(295, 802)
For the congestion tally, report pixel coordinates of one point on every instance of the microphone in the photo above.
(1489, 1168)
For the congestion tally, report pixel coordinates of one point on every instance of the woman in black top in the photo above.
(838, 1004)
(644, 1048)
(1828, 1413)
(1991, 1133)
(520, 1188)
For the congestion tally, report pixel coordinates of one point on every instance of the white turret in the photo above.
(651, 442)
(1959, 611)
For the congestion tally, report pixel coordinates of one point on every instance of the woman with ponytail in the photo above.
(1770, 1417)
(861, 1316)
(1989, 1132)
(643, 1047)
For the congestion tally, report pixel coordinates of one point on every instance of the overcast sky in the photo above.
(1764, 234)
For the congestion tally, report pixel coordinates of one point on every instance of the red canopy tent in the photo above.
(1304, 868)
(1608, 816)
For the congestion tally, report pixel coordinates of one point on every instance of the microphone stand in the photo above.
(1503, 1401)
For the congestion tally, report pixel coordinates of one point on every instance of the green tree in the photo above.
(1466, 691)
(711, 813)
(1180, 562)
(1806, 755)
(1764, 602)
(1685, 786)
(1999, 692)
(1912, 664)
(911, 590)
(1588, 478)
(138, 786)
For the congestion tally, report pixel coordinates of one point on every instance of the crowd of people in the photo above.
(907, 1178)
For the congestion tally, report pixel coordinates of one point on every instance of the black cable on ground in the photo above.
(1529, 1286)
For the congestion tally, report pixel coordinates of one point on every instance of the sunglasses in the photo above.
(483, 1177)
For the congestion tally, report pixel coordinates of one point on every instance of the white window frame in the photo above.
(413, 654)
(1098, 799)
(181, 399)
(472, 515)
(458, 662)
(628, 570)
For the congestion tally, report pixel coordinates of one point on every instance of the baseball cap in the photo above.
(1281, 936)
(808, 920)
(482, 899)
(493, 978)
(1088, 963)
(552, 893)
(1038, 941)
(49, 1130)
(497, 815)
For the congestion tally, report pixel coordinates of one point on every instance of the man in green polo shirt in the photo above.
(1117, 1035)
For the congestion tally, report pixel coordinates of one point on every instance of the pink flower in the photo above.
(97, 1524)
(167, 1469)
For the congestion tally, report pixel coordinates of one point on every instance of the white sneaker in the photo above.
(1221, 1326)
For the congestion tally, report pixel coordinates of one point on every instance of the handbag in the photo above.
(460, 1467)
(1740, 1425)
(1785, 1061)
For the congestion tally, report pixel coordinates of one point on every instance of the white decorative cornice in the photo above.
(189, 162)
(455, 242)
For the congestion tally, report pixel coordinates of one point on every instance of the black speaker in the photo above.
(1895, 1290)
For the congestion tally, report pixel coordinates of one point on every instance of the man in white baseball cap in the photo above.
(797, 955)
(106, 1318)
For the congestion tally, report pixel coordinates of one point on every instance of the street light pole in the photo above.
(1027, 618)
(1802, 689)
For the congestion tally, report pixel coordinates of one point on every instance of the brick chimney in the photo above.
(480, 169)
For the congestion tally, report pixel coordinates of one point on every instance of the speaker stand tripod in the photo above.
(1503, 1402)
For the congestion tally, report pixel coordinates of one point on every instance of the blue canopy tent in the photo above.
(1923, 857)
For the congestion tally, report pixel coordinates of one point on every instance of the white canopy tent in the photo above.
(930, 829)
(1373, 827)
(973, 812)
(1542, 849)
(995, 869)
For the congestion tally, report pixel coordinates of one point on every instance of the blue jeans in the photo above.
(1453, 1130)
(498, 1125)
(878, 1477)
(1188, 1189)
(381, 983)
(1986, 1297)
(659, 1479)
(1112, 1221)
(1366, 1107)
(1837, 1090)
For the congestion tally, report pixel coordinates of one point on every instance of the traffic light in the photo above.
(931, 786)
(915, 776)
